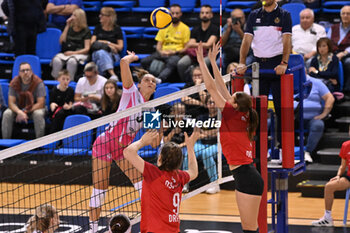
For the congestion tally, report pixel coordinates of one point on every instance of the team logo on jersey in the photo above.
(277, 20)
(258, 20)
(151, 120)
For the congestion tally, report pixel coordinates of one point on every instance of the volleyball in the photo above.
(161, 18)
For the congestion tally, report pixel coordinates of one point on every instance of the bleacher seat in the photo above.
(47, 45)
(133, 32)
(333, 7)
(245, 6)
(294, 9)
(125, 45)
(5, 92)
(33, 60)
(150, 32)
(214, 4)
(11, 142)
(186, 6)
(93, 6)
(166, 90)
(341, 75)
(148, 5)
(120, 6)
(78, 144)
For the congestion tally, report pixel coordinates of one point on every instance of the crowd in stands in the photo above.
(323, 50)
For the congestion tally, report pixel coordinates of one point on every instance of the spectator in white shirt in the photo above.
(306, 34)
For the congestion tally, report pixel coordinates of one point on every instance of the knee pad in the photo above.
(97, 197)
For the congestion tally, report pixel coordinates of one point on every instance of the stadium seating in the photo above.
(33, 60)
(77, 144)
(186, 6)
(214, 4)
(120, 6)
(93, 6)
(166, 90)
(246, 6)
(148, 6)
(341, 75)
(294, 9)
(47, 45)
(296, 60)
(333, 7)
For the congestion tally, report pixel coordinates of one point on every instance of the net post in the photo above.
(255, 79)
(287, 113)
(260, 149)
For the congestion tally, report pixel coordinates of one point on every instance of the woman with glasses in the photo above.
(107, 42)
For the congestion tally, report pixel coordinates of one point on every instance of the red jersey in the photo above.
(161, 198)
(345, 154)
(236, 146)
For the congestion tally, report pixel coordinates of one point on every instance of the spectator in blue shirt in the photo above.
(60, 11)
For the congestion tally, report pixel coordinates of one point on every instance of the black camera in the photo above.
(236, 20)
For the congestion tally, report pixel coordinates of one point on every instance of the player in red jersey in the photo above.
(162, 185)
(338, 183)
(110, 144)
(238, 125)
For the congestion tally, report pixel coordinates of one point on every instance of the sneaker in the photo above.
(114, 77)
(323, 222)
(186, 188)
(158, 81)
(307, 157)
(213, 190)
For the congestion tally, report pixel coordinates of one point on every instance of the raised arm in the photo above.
(192, 161)
(130, 153)
(208, 79)
(125, 69)
(220, 84)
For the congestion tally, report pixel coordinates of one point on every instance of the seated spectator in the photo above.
(119, 224)
(75, 40)
(207, 33)
(25, 20)
(88, 92)
(206, 148)
(171, 43)
(195, 103)
(26, 101)
(45, 220)
(338, 183)
(107, 42)
(233, 33)
(340, 36)
(61, 101)
(110, 98)
(325, 65)
(60, 11)
(306, 34)
(315, 113)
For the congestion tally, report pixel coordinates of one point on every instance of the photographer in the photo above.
(233, 33)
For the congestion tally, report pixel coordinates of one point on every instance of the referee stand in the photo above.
(279, 170)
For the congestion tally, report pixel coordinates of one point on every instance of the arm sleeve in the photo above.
(150, 172)
(343, 151)
(79, 87)
(184, 176)
(249, 25)
(287, 23)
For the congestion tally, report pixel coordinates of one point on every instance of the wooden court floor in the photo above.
(216, 207)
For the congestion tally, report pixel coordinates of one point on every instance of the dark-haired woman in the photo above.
(110, 98)
(325, 65)
(162, 184)
(238, 125)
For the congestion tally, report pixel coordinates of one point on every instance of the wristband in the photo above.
(284, 63)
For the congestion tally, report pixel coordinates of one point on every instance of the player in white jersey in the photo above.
(109, 145)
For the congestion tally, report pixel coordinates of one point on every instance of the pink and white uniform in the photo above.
(110, 145)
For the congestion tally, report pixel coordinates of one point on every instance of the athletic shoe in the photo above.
(186, 188)
(213, 190)
(323, 222)
(114, 77)
(307, 157)
(158, 81)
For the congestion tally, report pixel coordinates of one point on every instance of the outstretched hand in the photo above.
(214, 51)
(149, 137)
(199, 53)
(131, 57)
(190, 141)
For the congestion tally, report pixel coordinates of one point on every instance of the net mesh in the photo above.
(57, 169)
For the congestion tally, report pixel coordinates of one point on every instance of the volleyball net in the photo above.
(57, 169)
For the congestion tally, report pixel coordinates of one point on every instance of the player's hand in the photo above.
(131, 57)
(190, 141)
(199, 53)
(241, 69)
(149, 137)
(213, 52)
(280, 69)
(336, 178)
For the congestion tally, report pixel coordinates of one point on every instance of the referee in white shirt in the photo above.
(268, 31)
